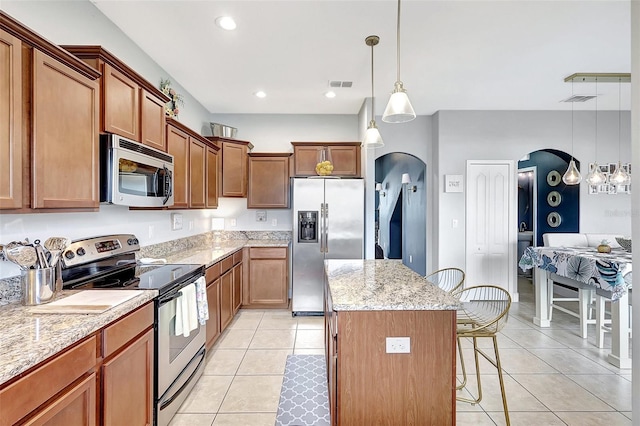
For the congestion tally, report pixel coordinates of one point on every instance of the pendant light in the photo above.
(372, 138)
(595, 176)
(572, 175)
(619, 177)
(399, 109)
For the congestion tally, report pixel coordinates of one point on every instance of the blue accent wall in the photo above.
(569, 208)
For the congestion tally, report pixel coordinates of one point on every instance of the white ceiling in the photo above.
(487, 55)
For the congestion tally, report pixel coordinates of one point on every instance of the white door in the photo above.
(490, 224)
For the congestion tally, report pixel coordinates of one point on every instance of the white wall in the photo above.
(484, 135)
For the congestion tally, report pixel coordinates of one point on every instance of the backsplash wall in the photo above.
(151, 227)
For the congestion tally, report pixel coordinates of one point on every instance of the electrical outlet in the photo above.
(398, 345)
(274, 222)
(151, 230)
(176, 221)
(232, 222)
(261, 216)
(191, 224)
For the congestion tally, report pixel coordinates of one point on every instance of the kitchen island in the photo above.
(390, 345)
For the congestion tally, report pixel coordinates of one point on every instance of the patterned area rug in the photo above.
(304, 399)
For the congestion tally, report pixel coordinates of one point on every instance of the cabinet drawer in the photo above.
(268, 253)
(212, 273)
(237, 257)
(28, 393)
(120, 333)
(226, 264)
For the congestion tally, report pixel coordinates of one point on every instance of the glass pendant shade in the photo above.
(595, 176)
(620, 177)
(399, 109)
(572, 175)
(372, 138)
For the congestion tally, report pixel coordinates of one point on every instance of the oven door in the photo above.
(175, 352)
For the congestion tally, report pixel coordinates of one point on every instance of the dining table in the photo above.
(608, 273)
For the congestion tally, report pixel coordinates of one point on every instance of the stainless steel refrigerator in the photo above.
(328, 223)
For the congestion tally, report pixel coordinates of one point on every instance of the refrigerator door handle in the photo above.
(326, 228)
(321, 228)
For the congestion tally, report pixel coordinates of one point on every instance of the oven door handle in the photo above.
(169, 298)
(168, 402)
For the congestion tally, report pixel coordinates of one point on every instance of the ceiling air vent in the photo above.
(578, 98)
(338, 83)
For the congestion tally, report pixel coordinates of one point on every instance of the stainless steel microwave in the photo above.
(135, 175)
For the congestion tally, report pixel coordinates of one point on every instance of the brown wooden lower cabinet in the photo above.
(127, 390)
(212, 275)
(369, 386)
(106, 379)
(76, 406)
(226, 299)
(268, 277)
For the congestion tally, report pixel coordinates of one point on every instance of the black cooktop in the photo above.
(134, 277)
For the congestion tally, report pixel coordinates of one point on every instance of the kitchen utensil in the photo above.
(42, 259)
(25, 256)
(56, 245)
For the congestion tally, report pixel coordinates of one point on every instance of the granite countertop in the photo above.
(382, 285)
(27, 338)
(211, 255)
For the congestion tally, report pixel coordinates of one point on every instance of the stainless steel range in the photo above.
(108, 262)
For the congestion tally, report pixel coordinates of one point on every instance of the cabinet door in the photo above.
(178, 146)
(65, 169)
(213, 302)
(197, 173)
(237, 287)
(268, 182)
(11, 115)
(152, 121)
(77, 406)
(268, 276)
(345, 159)
(128, 384)
(211, 201)
(234, 170)
(305, 159)
(226, 299)
(121, 104)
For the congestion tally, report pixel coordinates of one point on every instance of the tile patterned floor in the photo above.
(552, 376)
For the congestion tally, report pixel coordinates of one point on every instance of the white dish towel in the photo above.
(186, 311)
(201, 300)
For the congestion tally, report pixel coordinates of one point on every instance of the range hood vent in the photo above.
(579, 98)
(338, 83)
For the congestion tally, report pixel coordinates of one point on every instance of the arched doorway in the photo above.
(401, 210)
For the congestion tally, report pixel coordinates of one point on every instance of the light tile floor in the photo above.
(552, 376)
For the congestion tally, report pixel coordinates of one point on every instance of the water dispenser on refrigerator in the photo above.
(307, 226)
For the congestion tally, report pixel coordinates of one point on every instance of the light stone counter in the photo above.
(382, 285)
(209, 256)
(27, 338)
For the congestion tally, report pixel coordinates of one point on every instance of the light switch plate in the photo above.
(398, 345)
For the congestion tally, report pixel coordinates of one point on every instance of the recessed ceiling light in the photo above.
(260, 94)
(226, 23)
(330, 94)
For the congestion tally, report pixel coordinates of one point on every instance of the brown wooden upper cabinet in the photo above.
(131, 106)
(268, 181)
(36, 170)
(345, 157)
(232, 166)
(195, 160)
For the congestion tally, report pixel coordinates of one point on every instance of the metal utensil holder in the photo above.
(38, 285)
